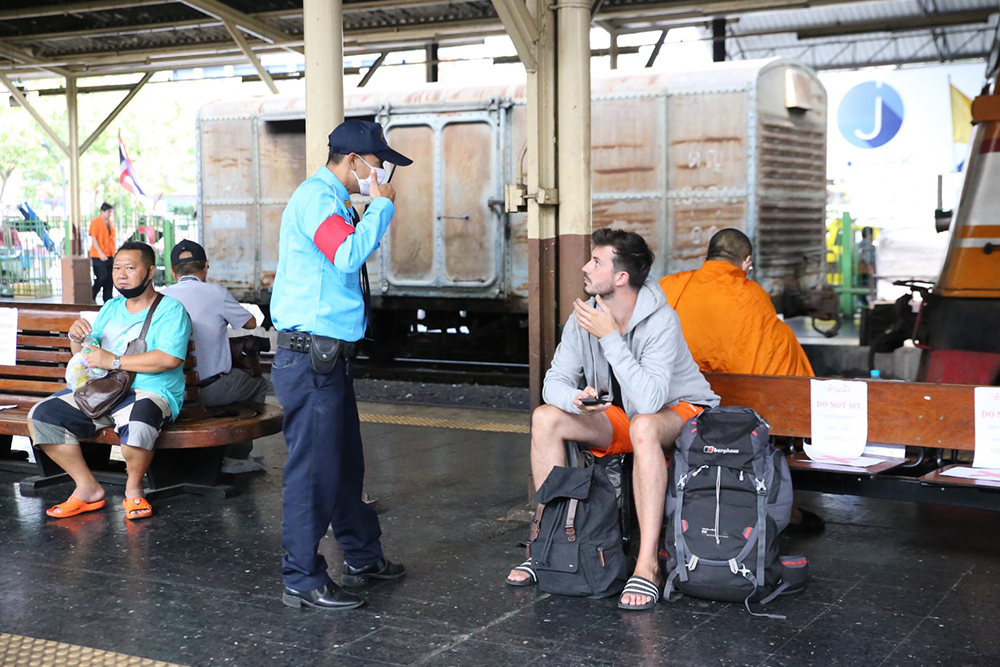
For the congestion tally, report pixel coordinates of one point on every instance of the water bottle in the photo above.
(92, 342)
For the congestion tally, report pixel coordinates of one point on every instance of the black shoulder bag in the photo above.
(99, 396)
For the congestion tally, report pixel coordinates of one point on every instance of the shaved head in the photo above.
(730, 245)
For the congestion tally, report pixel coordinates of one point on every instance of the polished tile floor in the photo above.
(199, 583)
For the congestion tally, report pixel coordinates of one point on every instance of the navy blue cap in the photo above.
(197, 253)
(365, 138)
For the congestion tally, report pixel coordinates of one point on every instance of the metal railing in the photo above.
(29, 259)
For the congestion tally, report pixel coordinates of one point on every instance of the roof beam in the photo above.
(73, 8)
(905, 24)
(114, 114)
(371, 70)
(17, 54)
(241, 41)
(244, 22)
(23, 101)
(118, 31)
(521, 28)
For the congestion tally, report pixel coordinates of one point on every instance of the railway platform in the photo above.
(198, 584)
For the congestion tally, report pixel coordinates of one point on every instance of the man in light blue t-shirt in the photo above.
(57, 425)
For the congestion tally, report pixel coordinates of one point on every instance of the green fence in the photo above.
(30, 258)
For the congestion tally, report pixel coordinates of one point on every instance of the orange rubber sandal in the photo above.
(137, 508)
(72, 507)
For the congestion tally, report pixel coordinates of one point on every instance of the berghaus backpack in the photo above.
(728, 498)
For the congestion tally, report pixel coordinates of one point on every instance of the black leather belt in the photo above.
(301, 342)
(207, 381)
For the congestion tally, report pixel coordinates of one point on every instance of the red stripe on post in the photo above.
(331, 235)
(990, 145)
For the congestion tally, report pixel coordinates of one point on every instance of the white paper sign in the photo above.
(987, 403)
(839, 418)
(853, 461)
(973, 473)
(8, 336)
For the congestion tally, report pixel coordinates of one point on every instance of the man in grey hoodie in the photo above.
(624, 350)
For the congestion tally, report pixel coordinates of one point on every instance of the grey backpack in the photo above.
(576, 542)
(729, 496)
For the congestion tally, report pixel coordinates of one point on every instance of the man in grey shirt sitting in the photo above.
(213, 309)
(622, 380)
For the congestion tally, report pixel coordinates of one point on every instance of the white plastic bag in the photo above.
(77, 372)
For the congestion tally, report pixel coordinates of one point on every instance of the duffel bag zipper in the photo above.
(600, 554)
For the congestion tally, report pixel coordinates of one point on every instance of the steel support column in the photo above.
(431, 51)
(573, 94)
(719, 39)
(543, 257)
(323, 23)
(75, 217)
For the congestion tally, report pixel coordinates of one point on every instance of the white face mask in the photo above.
(364, 187)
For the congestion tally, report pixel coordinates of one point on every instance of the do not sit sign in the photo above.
(987, 405)
(839, 411)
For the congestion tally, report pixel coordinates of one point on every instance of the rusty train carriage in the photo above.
(676, 156)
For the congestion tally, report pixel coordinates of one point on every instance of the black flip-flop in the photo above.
(524, 567)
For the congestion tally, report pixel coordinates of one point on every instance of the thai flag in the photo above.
(127, 177)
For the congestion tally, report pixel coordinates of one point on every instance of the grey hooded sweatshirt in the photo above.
(651, 361)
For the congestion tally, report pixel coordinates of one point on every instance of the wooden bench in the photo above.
(934, 421)
(188, 451)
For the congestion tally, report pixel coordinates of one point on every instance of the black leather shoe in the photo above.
(383, 569)
(330, 597)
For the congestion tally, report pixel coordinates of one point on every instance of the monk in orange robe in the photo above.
(728, 320)
(731, 326)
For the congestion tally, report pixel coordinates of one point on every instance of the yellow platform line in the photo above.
(18, 651)
(467, 425)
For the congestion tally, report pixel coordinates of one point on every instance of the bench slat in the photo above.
(44, 355)
(34, 371)
(900, 413)
(249, 423)
(30, 387)
(54, 341)
(45, 320)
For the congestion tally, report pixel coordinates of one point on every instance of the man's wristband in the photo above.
(74, 340)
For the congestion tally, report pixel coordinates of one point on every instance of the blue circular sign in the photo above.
(870, 114)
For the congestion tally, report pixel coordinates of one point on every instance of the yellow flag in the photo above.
(961, 116)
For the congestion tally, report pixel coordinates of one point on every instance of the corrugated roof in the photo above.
(103, 36)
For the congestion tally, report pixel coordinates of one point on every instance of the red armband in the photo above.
(331, 234)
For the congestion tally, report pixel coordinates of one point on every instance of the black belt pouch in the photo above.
(323, 353)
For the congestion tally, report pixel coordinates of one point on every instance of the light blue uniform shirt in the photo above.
(169, 332)
(312, 294)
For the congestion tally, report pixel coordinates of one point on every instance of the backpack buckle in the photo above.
(761, 486)
(571, 533)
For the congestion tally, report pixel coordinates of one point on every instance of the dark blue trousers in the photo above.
(325, 470)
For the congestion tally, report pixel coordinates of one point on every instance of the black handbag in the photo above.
(99, 396)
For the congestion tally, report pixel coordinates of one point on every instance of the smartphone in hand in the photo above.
(599, 400)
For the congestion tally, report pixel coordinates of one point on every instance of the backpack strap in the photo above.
(536, 527)
(762, 536)
(571, 519)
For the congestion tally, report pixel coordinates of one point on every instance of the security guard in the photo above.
(320, 306)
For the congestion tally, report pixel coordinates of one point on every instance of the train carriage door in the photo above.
(446, 238)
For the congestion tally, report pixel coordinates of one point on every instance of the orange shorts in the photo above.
(621, 441)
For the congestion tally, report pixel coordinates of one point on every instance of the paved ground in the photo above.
(198, 584)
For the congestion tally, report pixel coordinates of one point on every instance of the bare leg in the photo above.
(70, 459)
(551, 428)
(137, 461)
(651, 434)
